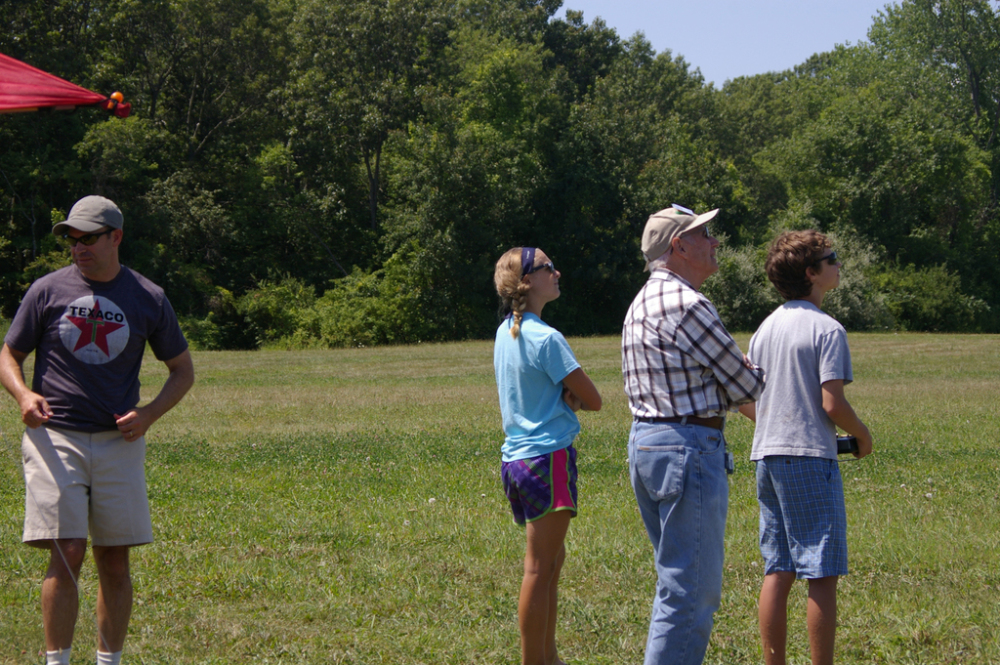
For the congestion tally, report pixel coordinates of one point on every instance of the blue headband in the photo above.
(527, 260)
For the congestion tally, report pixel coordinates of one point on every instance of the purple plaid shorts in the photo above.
(540, 485)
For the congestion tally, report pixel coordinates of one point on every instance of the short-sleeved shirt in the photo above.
(89, 338)
(529, 371)
(801, 348)
(677, 357)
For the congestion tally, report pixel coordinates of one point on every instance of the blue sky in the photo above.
(730, 38)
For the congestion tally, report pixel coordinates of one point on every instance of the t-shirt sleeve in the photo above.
(835, 357)
(167, 341)
(26, 329)
(556, 358)
(752, 349)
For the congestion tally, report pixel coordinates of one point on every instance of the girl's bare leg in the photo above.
(538, 606)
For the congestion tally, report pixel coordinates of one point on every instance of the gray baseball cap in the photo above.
(90, 214)
(667, 224)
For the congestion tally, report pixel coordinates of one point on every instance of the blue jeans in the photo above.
(679, 476)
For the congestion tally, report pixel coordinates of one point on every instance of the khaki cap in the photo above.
(663, 226)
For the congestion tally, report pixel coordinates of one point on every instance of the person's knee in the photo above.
(66, 557)
(781, 581)
(545, 567)
(112, 563)
(538, 567)
(824, 584)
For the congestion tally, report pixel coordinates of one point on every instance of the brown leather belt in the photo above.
(715, 422)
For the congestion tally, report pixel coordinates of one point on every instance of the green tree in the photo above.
(958, 43)
(890, 169)
(359, 68)
(39, 169)
(467, 180)
(586, 51)
(947, 53)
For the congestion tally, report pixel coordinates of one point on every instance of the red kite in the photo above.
(24, 88)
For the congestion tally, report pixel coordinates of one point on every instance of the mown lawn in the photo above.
(345, 507)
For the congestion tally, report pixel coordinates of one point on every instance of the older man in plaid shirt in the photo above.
(683, 372)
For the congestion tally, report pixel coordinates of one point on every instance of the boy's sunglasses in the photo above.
(548, 265)
(87, 240)
(830, 258)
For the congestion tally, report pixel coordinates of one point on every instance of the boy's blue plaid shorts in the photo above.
(803, 523)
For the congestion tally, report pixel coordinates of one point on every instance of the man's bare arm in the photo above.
(35, 411)
(137, 422)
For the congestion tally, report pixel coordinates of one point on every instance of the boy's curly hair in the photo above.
(789, 256)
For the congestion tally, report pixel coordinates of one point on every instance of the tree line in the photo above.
(346, 172)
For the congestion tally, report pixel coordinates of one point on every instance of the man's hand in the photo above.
(137, 422)
(35, 411)
(133, 424)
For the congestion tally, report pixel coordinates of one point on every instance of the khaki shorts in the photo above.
(76, 480)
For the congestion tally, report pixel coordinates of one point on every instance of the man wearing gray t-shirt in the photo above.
(803, 523)
(84, 446)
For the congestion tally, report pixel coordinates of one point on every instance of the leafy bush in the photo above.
(203, 334)
(929, 299)
(223, 328)
(277, 310)
(388, 306)
(740, 290)
(858, 303)
(744, 296)
(400, 305)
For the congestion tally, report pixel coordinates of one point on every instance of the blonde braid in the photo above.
(519, 303)
(510, 288)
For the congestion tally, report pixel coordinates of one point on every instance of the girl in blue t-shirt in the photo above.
(541, 386)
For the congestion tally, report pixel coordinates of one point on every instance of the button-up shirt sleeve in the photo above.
(677, 357)
(702, 336)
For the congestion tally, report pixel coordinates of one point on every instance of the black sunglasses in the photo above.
(830, 258)
(700, 232)
(88, 239)
(547, 265)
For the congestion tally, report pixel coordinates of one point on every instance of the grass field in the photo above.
(345, 507)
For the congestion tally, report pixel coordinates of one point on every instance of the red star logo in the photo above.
(93, 329)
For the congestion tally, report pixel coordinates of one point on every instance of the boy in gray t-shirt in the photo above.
(803, 524)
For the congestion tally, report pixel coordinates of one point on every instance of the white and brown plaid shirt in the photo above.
(677, 357)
